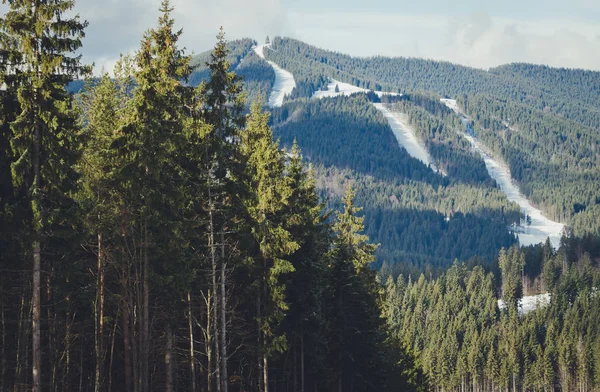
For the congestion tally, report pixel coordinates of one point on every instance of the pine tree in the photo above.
(353, 304)
(222, 108)
(306, 221)
(266, 207)
(45, 139)
(151, 179)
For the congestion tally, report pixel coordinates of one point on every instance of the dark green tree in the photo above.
(39, 45)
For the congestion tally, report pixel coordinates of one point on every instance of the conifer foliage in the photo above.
(173, 244)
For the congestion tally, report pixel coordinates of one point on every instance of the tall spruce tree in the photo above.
(151, 179)
(222, 105)
(39, 42)
(306, 221)
(354, 322)
(268, 201)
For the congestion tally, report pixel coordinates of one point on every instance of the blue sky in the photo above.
(476, 33)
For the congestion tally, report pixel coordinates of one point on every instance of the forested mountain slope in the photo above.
(542, 122)
(420, 218)
(570, 93)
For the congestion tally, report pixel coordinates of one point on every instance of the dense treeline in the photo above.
(569, 93)
(463, 341)
(421, 227)
(157, 238)
(554, 159)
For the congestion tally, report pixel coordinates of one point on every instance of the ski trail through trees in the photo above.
(284, 80)
(540, 227)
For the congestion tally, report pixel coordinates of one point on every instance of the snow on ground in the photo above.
(284, 81)
(344, 89)
(529, 303)
(451, 103)
(540, 227)
(398, 122)
(405, 135)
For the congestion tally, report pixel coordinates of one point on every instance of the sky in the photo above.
(478, 33)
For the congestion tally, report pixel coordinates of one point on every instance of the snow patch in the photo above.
(451, 103)
(529, 303)
(346, 89)
(343, 89)
(284, 80)
(541, 227)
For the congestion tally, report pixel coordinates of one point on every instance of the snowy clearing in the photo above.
(284, 80)
(529, 303)
(345, 89)
(405, 135)
(540, 227)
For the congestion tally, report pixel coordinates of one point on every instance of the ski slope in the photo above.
(529, 303)
(284, 84)
(402, 131)
(405, 135)
(540, 227)
(284, 81)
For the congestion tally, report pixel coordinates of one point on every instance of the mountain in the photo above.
(540, 123)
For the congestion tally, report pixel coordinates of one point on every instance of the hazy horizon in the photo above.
(480, 34)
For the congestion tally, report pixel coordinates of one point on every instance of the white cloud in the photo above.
(117, 26)
(477, 40)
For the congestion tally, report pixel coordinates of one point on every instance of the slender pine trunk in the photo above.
(19, 357)
(223, 317)
(191, 337)
(169, 360)
(112, 352)
(126, 332)
(208, 342)
(146, 316)
(3, 373)
(302, 362)
(260, 382)
(99, 318)
(35, 320)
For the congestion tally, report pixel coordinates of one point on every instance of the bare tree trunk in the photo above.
(215, 305)
(261, 386)
(52, 340)
(302, 362)
(99, 318)
(266, 372)
(208, 341)
(126, 338)
(68, 325)
(146, 317)
(191, 335)
(20, 333)
(3, 373)
(112, 352)
(169, 361)
(35, 321)
(223, 317)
